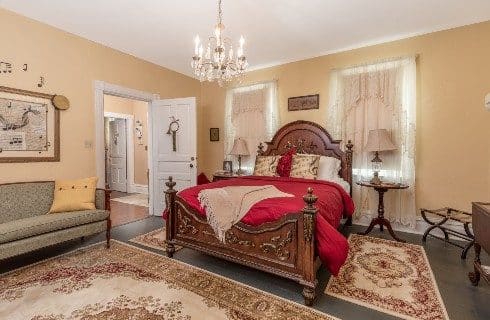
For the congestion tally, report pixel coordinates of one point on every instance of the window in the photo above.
(378, 96)
(251, 113)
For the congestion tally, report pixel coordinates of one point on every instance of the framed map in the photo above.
(29, 126)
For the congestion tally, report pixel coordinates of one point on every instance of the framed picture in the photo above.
(213, 134)
(29, 126)
(304, 102)
(228, 166)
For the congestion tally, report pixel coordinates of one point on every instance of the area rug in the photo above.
(389, 276)
(154, 239)
(137, 199)
(125, 282)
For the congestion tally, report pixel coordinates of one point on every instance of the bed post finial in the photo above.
(170, 211)
(349, 152)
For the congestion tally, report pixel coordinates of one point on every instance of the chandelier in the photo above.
(219, 62)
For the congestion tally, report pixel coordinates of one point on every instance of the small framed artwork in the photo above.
(213, 134)
(304, 102)
(228, 166)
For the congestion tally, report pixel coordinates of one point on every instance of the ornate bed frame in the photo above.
(285, 247)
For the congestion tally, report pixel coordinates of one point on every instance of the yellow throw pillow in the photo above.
(74, 195)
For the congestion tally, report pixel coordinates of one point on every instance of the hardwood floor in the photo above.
(122, 213)
(462, 300)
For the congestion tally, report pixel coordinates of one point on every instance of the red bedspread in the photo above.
(332, 202)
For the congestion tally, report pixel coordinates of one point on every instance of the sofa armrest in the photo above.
(103, 199)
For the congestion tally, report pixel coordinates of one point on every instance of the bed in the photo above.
(286, 246)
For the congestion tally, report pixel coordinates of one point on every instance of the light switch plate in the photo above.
(487, 102)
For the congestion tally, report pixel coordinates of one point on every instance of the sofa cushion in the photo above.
(28, 227)
(24, 200)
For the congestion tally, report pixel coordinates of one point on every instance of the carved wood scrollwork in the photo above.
(185, 225)
(232, 238)
(302, 146)
(277, 245)
(308, 227)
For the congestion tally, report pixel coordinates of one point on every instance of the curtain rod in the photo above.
(392, 59)
(248, 84)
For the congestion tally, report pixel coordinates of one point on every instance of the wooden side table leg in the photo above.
(475, 276)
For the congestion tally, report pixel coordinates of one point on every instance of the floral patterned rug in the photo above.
(389, 276)
(154, 239)
(125, 282)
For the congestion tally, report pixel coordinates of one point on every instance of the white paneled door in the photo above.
(174, 147)
(117, 155)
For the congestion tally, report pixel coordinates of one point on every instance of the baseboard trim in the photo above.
(139, 188)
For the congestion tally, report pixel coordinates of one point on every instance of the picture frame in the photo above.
(304, 102)
(213, 134)
(29, 127)
(228, 166)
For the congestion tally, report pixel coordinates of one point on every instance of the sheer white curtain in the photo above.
(378, 96)
(251, 113)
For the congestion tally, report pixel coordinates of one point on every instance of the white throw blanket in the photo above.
(227, 206)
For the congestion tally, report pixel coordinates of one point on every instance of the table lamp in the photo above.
(239, 149)
(378, 140)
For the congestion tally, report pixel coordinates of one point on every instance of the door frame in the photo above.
(100, 89)
(129, 118)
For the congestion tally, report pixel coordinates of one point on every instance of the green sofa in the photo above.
(25, 225)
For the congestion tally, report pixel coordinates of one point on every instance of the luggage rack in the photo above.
(454, 215)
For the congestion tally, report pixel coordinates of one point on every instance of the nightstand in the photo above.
(217, 176)
(381, 220)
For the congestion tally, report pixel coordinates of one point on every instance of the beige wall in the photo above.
(139, 110)
(453, 128)
(70, 64)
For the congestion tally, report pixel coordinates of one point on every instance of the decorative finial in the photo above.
(310, 199)
(170, 183)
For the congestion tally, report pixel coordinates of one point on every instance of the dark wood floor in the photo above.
(122, 213)
(462, 300)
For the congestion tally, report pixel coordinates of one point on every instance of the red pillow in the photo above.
(284, 164)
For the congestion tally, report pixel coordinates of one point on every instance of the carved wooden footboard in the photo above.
(284, 247)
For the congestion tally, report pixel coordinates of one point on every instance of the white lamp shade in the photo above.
(239, 148)
(379, 140)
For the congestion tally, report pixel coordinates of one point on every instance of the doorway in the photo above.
(126, 157)
(181, 164)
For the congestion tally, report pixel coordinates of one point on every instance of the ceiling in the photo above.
(276, 31)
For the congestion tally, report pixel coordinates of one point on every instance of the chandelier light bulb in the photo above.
(196, 45)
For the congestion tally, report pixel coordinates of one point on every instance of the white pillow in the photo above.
(328, 170)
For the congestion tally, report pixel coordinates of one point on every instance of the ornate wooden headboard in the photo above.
(309, 137)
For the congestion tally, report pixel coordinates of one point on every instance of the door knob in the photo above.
(191, 165)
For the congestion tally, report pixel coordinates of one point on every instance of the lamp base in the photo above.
(375, 179)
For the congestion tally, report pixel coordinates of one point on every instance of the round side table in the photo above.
(380, 220)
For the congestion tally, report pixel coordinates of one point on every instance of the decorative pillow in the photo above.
(284, 164)
(74, 195)
(328, 168)
(266, 166)
(305, 166)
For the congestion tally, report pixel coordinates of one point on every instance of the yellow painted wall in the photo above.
(70, 64)
(139, 110)
(453, 128)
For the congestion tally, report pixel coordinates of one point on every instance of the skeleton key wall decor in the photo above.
(173, 127)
